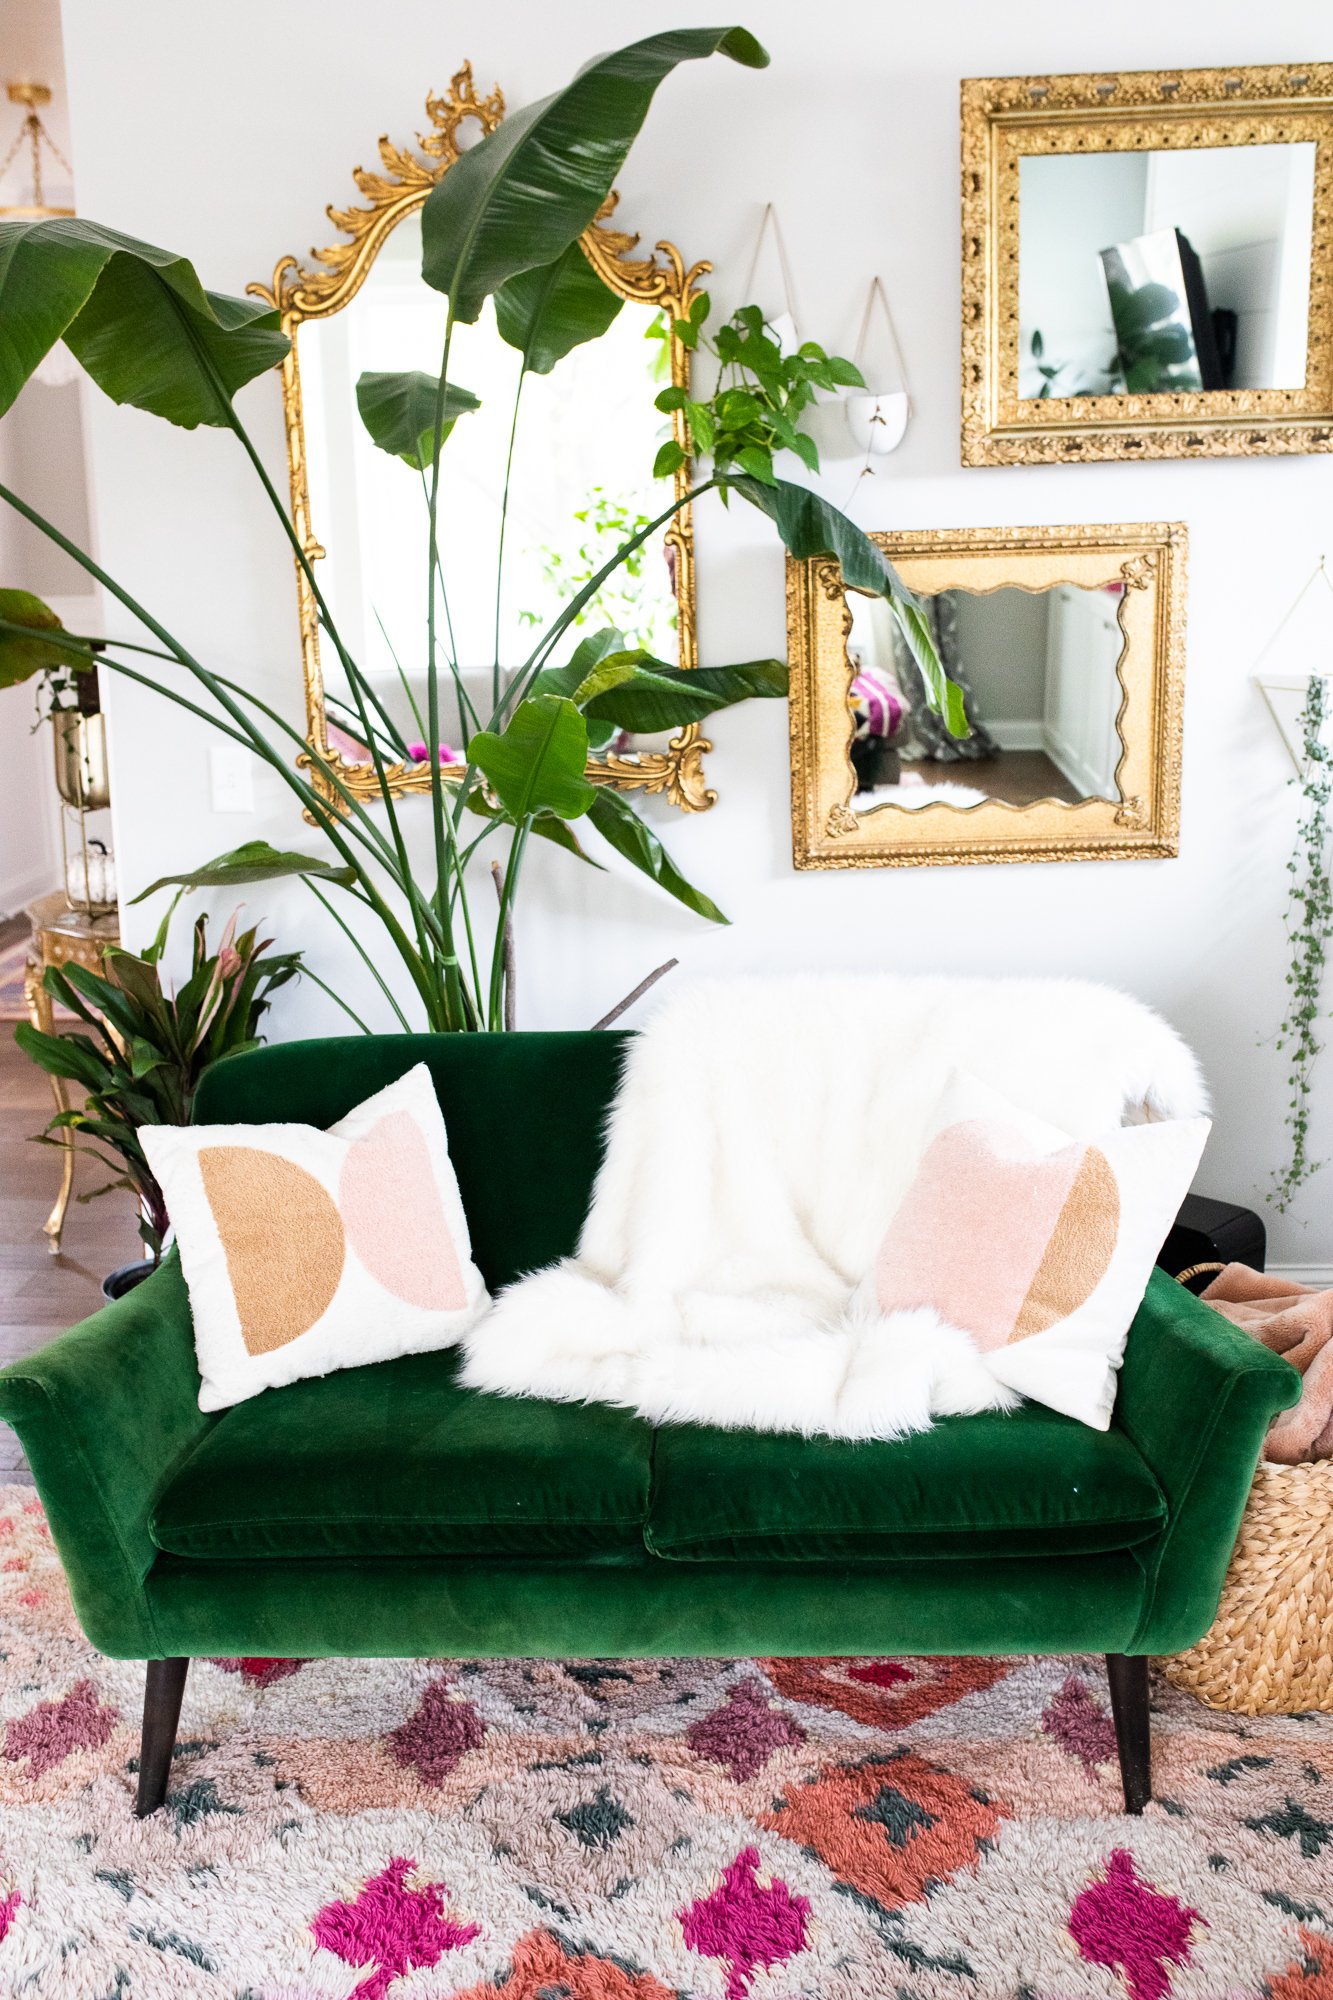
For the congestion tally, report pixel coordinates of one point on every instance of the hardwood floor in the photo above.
(1015, 776)
(40, 1295)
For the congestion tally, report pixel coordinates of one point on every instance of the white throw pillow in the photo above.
(1037, 1245)
(307, 1251)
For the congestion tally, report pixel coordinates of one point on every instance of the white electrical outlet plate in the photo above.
(232, 778)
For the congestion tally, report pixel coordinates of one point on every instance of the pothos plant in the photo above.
(1309, 927)
(503, 224)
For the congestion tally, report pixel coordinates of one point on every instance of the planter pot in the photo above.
(878, 423)
(116, 1283)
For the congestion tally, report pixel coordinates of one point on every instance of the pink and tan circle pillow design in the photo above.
(1036, 1245)
(307, 1251)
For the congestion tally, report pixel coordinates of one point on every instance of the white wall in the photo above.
(41, 457)
(1002, 647)
(1248, 212)
(854, 134)
(1070, 208)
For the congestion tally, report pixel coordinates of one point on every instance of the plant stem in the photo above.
(360, 951)
(516, 847)
(324, 814)
(333, 827)
(541, 652)
(441, 825)
(500, 548)
(352, 671)
(406, 684)
(325, 987)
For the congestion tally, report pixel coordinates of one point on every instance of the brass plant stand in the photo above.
(61, 936)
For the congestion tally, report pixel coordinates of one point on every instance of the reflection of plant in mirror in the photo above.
(503, 223)
(1156, 348)
(659, 367)
(1076, 381)
(626, 600)
(1309, 927)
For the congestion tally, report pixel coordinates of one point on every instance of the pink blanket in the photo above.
(1296, 1323)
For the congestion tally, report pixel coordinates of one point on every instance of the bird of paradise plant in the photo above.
(504, 225)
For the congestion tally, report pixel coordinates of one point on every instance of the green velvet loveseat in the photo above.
(387, 1511)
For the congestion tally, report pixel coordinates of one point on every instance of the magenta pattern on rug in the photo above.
(640, 1830)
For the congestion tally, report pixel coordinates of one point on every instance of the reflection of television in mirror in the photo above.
(1159, 308)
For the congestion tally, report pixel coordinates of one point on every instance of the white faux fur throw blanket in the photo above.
(762, 1138)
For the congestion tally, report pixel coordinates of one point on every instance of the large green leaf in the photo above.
(549, 311)
(537, 764)
(809, 527)
(253, 861)
(621, 827)
(558, 831)
(399, 412)
(653, 696)
(70, 1056)
(43, 644)
(631, 689)
(527, 191)
(136, 317)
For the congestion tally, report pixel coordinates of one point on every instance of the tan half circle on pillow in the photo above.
(283, 1238)
(1079, 1251)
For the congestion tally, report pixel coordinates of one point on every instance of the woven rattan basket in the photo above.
(1270, 1648)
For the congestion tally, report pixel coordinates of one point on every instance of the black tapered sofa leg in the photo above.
(162, 1695)
(1128, 1676)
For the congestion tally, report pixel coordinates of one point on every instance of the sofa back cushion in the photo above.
(524, 1114)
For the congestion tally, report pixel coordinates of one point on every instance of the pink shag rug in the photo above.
(895, 1829)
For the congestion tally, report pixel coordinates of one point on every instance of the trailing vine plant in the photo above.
(1309, 927)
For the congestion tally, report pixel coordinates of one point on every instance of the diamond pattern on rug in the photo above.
(809, 1829)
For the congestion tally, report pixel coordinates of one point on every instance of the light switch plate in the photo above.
(232, 778)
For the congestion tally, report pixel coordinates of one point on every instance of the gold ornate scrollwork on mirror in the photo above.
(1146, 267)
(1068, 644)
(584, 457)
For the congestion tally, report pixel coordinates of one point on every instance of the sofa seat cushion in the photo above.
(399, 1460)
(1031, 1482)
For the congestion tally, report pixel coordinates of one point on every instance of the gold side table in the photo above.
(61, 936)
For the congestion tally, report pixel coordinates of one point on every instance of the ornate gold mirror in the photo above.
(580, 477)
(1146, 265)
(1069, 646)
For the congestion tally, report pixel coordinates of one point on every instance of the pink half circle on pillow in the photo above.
(394, 1217)
(972, 1230)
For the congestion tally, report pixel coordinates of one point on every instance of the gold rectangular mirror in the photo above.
(579, 481)
(1146, 267)
(1068, 644)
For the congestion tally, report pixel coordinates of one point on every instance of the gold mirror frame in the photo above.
(303, 292)
(1004, 118)
(1149, 560)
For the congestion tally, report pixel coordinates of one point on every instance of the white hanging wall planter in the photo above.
(1285, 694)
(769, 285)
(877, 415)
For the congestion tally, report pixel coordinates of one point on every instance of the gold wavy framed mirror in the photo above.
(1069, 646)
(362, 304)
(1145, 265)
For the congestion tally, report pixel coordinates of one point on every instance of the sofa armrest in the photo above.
(105, 1413)
(1196, 1397)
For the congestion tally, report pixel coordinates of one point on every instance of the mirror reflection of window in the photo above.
(1038, 672)
(581, 481)
(1104, 238)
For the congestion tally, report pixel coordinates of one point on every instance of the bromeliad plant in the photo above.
(503, 224)
(146, 1048)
